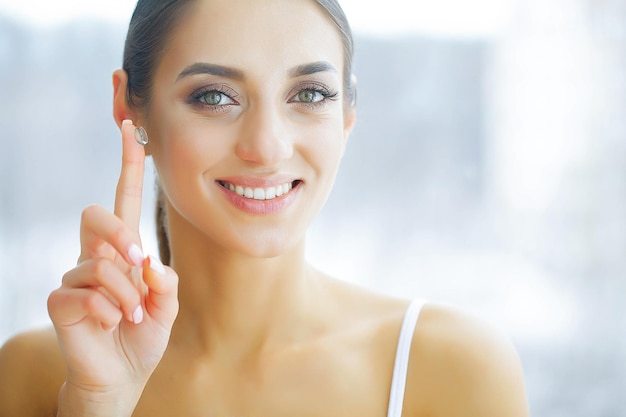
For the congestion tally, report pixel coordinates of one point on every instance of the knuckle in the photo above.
(99, 268)
(92, 301)
(120, 234)
(130, 190)
(52, 300)
(66, 277)
(89, 212)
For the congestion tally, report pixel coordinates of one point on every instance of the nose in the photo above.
(265, 137)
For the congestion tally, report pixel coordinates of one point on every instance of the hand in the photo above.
(114, 311)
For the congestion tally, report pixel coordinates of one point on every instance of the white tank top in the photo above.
(398, 381)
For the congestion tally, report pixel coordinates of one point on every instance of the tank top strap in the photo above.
(401, 365)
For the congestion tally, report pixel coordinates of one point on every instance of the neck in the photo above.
(230, 302)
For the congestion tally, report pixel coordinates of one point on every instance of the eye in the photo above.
(215, 98)
(309, 96)
(313, 95)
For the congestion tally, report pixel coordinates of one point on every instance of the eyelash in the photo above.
(326, 93)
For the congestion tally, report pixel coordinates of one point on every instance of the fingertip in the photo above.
(155, 265)
(127, 122)
(158, 278)
(152, 274)
(138, 315)
(136, 255)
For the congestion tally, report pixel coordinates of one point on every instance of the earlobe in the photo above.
(121, 109)
(348, 125)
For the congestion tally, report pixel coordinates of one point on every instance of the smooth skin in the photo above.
(244, 327)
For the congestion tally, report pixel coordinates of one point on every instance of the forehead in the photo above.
(253, 34)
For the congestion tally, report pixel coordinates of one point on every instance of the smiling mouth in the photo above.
(258, 193)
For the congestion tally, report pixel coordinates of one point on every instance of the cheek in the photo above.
(325, 148)
(322, 153)
(187, 149)
(186, 142)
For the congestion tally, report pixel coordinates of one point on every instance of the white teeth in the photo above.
(268, 193)
(259, 194)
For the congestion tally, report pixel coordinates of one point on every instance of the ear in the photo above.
(350, 112)
(121, 109)
(349, 120)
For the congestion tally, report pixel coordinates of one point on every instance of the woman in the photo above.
(245, 107)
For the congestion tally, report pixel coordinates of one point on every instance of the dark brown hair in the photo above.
(148, 33)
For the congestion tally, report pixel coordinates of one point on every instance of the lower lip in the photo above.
(261, 207)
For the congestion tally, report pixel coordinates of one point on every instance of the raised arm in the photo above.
(113, 313)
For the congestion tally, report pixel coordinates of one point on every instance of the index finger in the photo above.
(130, 185)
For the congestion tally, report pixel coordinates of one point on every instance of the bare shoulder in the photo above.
(31, 373)
(462, 367)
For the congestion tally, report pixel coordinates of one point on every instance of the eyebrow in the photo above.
(312, 68)
(200, 68)
(212, 69)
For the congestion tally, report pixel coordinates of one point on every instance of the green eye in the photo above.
(313, 95)
(212, 98)
(308, 96)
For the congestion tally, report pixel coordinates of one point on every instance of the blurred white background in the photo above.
(487, 170)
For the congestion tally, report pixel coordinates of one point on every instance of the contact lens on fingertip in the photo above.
(141, 136)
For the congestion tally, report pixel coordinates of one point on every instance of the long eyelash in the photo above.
(328, 94)
(331, 95)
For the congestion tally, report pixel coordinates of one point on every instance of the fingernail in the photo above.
(138, 315)
(127, 122)
(156, 265)
(136, 255)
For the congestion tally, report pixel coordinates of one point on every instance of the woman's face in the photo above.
(247, 122)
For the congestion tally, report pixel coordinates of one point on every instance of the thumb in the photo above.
(162, 298)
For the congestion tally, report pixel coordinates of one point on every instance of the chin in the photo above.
(269, 247)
